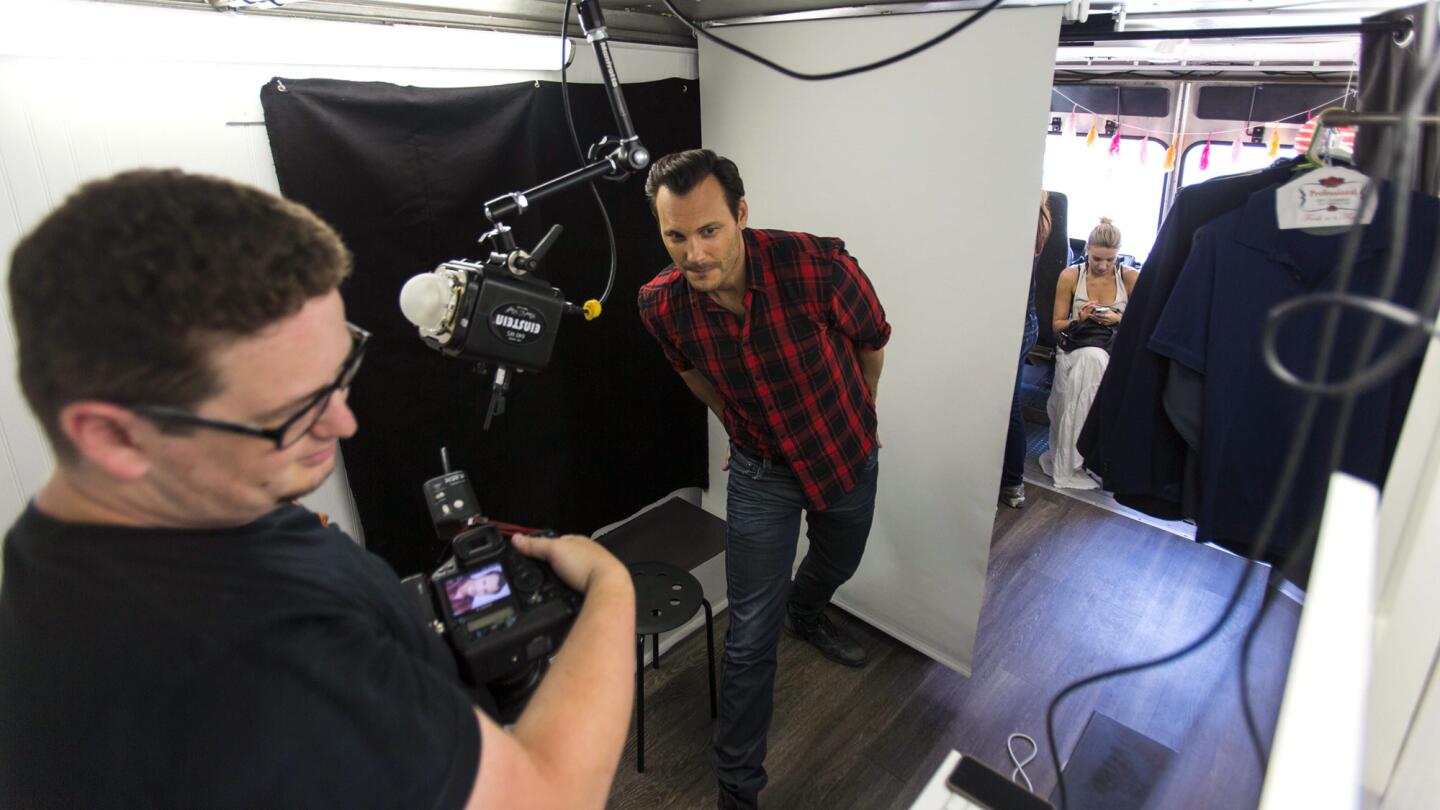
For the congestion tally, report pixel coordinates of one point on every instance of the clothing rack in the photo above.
(1341, 118)
(1087, 36)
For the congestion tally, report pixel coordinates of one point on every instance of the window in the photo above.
(1266, 102)
(1109, 99)
(1116, 186)
(1252, 156)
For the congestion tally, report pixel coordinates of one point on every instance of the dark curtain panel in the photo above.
(403, 174)
(1054, 258)
(1388, 76)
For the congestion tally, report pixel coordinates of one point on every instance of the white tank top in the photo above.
(1082, 298)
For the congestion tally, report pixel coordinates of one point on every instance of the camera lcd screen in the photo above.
(476, 590)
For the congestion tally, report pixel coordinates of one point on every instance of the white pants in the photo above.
(1077, 378)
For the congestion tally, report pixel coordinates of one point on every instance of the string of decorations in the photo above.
(1235, 151)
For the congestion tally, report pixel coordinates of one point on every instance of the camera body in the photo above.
(503, 613)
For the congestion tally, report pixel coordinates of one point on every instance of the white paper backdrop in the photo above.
(930, 170)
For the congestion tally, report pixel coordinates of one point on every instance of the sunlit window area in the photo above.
(1123, 187)
(1223, 161)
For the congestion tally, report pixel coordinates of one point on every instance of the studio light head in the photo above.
(495, 312)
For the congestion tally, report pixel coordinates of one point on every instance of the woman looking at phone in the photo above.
(1095, 290)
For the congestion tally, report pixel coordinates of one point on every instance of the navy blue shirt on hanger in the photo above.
(1240, 266)
(1128, 439)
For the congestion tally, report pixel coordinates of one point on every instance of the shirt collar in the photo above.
(754, 267)
(1259, 229)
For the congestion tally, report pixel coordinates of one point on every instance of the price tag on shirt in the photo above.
(1326, 197)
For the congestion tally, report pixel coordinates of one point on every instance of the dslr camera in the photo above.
(503, 614)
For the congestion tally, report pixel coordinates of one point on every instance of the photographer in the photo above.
(174, 631)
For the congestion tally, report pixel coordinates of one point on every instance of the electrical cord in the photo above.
(580, 156)
(835, 74)
(1303, 426)
(1290, 470)
(1021, 763)
(694, 27)
(1419, 325)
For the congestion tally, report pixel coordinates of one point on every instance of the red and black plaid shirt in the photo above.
(788, 372)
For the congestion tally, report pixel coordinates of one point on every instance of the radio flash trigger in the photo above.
(450, 499)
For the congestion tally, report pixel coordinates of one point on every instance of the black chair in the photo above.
(1054, 258)
(666, 596)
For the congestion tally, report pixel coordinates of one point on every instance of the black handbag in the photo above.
(1086, 333)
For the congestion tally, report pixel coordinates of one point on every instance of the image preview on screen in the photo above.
(477, 589)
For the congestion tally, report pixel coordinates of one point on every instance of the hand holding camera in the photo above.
(576, 559)
(503, 605)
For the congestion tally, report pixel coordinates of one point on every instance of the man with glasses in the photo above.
(174, 630)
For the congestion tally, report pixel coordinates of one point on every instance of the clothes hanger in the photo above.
(1334, 197)
(1321, 152)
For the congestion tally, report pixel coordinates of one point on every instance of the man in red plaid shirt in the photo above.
(782, 336)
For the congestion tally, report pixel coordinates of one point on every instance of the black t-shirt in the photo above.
(271, 665)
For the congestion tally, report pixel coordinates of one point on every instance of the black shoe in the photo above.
(1013, 497)
(729, 801)
(830, 641)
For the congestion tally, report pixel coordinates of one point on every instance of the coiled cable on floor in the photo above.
(1021, 763)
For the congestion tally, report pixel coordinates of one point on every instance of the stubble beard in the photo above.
(292, 496)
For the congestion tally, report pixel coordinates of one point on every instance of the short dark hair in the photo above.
(122, 292)
(682, 171)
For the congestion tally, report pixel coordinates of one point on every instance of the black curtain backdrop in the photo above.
(403, 173)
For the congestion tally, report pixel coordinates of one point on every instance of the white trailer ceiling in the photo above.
(650, 21)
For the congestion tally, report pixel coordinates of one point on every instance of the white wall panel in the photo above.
(67, 117)
(1403, 733)
(930, 170)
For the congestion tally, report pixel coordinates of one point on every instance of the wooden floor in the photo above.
(1071, 590)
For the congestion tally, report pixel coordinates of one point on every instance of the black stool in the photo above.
(665, 598)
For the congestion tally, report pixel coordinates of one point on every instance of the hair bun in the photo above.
(1106, 221)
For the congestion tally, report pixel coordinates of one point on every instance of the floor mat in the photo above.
(1113, 767)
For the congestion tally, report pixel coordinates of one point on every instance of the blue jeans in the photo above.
(762, 530)
(1012, 465)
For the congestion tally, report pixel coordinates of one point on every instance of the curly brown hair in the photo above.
(122, 292)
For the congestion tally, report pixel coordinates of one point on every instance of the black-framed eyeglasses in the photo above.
(287, 433)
